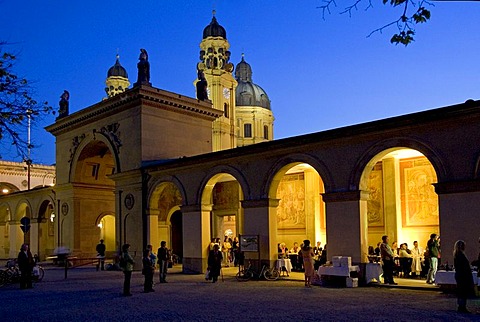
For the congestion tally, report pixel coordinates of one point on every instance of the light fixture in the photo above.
(5, 190)
(52, 216)
(100, 225)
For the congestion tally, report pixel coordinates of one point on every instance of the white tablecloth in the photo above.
(445, 278)
(373, 272)
(337, 271)
(284, 264)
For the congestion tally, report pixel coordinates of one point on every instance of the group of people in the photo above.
(149, 262)
(230, 249)
(432, 254)
(296, 256)
(413, 262)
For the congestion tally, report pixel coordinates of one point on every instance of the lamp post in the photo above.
(29, 146)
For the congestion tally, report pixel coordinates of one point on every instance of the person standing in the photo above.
(433, 247)
(307, 255)
(226, 246)
(147, 271)
(463, 276)
(126, 263)
(215, 263)
(417, 260)
(163, 257)
(388, 259)
(25, 264)
(101, 248)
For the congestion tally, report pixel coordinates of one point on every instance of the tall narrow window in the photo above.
(247, 130)
(225, 109)
(265, 132)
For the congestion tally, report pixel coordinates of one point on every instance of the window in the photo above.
(225, 110)
(247, 130)
(265, 132)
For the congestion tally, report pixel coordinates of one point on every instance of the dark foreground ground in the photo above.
(87, 295)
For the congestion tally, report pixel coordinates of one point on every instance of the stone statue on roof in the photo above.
(143, 69)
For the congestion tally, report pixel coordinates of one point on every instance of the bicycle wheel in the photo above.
(243, 275)
(3, 278)
(271, 274)
(40, 274)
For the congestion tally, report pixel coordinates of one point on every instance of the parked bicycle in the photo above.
(12, 273)
(270, 274)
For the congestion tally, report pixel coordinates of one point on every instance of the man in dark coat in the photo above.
(25, 264)
(463, 276)
(101, 255)
(215, 259)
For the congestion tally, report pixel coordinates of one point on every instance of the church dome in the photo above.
(214, 29)
(117, 70)
(248, 93)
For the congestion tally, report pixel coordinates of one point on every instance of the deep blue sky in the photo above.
(319, 74)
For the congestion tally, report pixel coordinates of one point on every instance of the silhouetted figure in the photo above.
(63, 110)
(143, 69)
(202, 84)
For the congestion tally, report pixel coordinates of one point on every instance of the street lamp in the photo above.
(28, 161)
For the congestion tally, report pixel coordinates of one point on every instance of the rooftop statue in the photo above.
(63, 110)
(143, 69)
(202, 84)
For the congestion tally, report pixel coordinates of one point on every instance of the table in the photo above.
(373, 272)
(448, 278)
(284, 265)
(337, 271)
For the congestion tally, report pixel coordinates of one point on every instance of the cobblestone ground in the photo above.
(87, 295)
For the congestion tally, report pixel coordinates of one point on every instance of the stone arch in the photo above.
(384, 147)
(99, 138)
(8, 186)
(22, 206)
(212, 177)
(280, 167)
(301, 212)
(154, 183)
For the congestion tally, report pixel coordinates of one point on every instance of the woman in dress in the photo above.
(307, 255)
(463, 276)
(416, 260)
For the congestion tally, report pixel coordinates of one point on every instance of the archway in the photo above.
(301, 211)
(165, 223)
(95, 198)
(4, 230)
(46, 229)
(106, 226)
(401, 199)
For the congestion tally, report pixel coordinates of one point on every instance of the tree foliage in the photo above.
(411, 13)
(16, 106)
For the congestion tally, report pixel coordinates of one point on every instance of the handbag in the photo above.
(207, 274)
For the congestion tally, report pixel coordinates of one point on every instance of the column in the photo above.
(152, 228)
(459, 211)
(260, 218)
(347, 224)
(196, 237)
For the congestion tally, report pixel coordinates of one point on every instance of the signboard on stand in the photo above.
(249, 243)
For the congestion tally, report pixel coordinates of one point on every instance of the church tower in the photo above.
(117, 79)
(253, 112)
(215, 65)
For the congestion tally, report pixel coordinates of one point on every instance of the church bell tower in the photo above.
(217, 70)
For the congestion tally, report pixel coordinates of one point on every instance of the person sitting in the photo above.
(405, 260)
(282, 251)
(377, 249)
(293, 255)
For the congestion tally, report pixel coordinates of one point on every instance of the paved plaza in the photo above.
(88, 295)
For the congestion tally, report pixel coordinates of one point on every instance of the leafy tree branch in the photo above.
(413, 12)
(17, 105)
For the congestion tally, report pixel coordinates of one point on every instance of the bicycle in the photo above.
(270, 274)
(12, 273)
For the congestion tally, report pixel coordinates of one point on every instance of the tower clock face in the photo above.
(226, 93)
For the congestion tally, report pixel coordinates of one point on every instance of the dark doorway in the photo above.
(177, 234)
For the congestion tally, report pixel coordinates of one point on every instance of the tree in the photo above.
(412, 12)
(17, 106)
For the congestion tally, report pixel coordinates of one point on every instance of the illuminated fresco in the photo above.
(291, 208)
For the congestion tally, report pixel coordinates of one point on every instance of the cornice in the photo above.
(135, 97)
